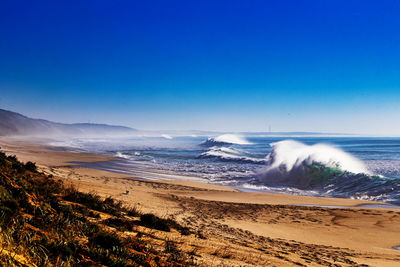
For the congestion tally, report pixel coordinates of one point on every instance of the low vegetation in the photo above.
(44, 223)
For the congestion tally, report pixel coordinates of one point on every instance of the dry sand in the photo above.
(240, 228)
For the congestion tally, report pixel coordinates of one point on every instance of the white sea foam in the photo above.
(384, 167)
(166, 136)
(122, 155)
(291, 167)
(226, 139)
(285, 190)
(232, 139)
(229, 154)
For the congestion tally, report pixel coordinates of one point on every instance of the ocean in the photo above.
(366, 168)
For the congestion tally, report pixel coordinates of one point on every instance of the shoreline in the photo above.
(251, 195)
(291, 226)
(89, 158)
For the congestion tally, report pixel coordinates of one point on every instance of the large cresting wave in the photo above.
(299, 165)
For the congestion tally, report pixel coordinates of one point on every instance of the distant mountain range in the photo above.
(15, 124)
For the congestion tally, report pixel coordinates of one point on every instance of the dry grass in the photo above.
(44, 223)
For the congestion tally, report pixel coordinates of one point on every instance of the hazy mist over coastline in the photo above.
(15, 124)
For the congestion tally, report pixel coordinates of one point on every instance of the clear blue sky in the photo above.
(331, 66)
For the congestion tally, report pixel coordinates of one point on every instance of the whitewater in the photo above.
(349, 167)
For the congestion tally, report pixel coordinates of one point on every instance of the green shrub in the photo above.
(4, 194)
(18, 167)
(94, 201)
(103, 258)
(120, 224)
(132, 211)
(30, 166)
(105, 240)
(11, 204)
(90, 228)
(152, 221)
(66, 250)
(8, 209)
(3, 161)
(173, 251)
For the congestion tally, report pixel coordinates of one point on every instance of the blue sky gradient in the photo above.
(330, 66)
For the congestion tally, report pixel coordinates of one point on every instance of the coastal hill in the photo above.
(44, 223)
(15, 124)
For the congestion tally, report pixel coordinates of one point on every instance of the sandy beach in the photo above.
(239, 228)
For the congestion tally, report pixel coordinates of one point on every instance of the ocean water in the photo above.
(349, 167)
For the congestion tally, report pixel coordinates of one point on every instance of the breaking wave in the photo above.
(226, 139)
(127, 155)
(166, 136)
(229, 154)
(285, 167)
(122, 155)
(296, 164)
(323, 170)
